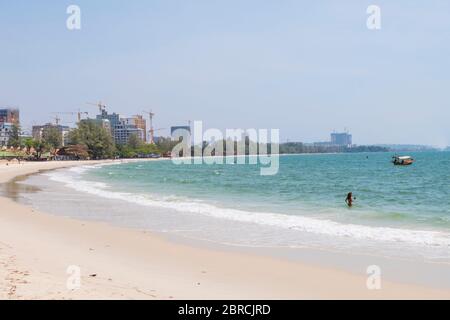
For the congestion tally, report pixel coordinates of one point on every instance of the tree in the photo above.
(28, 143)
(14, 137)
(97, 139)
(40, 147)
(148, 149)
(166, 144)
(136, 148)
(52, 137)
(125, 151)
(77, 151)
(134, 142)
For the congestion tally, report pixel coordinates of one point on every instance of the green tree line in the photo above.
(88, 141)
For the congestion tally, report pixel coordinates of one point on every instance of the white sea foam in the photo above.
(300, 223)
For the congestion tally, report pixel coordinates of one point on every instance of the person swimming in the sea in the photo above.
(349, 199)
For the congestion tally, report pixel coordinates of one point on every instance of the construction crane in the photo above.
(154, 131)
(78, 114)
(57, 120)
(151, 114)
(101, 107)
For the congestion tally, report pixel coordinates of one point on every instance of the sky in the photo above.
(304, 67)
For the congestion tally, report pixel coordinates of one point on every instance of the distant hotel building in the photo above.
(8, 118)
(337, 140)
(341, 139)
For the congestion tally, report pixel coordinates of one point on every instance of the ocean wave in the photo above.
(299, 223)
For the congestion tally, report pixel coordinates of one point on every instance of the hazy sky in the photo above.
(305, 67)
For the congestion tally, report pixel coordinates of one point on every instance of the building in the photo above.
(9, 115)
(122, 128)
(37, 132)
(123, 131)
(139, 122)
(175, 128)
(8, 119)
(113, 118)
(109, 121)
(341, 139)
(105, 124)
(5, 133)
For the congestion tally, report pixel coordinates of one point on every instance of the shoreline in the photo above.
(37, 248)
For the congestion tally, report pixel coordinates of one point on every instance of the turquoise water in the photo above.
(417, 196)
(398, 210)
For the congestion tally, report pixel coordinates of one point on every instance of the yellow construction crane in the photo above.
(79, 113)
(151, 114)
(101, 107)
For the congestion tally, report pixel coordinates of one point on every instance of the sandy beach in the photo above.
(37, 250)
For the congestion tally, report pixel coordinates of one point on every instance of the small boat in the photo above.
(402, 160)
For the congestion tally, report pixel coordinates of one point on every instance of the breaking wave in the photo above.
(72, 180)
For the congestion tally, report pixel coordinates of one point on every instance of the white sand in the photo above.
(36, 249)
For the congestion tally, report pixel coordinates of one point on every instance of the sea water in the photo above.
(398, 210)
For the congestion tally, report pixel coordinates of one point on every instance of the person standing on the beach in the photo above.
(349, 199)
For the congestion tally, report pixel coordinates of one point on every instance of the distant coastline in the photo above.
(302, 148)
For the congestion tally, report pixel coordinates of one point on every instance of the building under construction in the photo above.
(9, 115)
(123, 128)
(139, 122)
